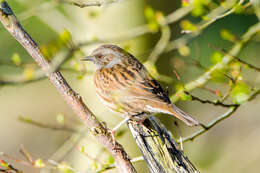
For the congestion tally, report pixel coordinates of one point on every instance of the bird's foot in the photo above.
(113, 135)
(113, 131)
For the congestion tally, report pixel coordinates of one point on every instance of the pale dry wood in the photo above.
(159, 149)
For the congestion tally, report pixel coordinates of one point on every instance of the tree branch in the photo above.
(75, 101)
(83, 4)
(218, 119)
(200, 81)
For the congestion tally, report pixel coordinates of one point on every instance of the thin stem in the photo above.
(46, 126)
(218, 119)
(216, 103)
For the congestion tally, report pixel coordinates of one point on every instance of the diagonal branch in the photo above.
(218, 119)
(204, 78)
(74, 100)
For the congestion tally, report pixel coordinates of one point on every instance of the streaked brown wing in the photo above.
(143, 86)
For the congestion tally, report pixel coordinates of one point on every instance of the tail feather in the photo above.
(180, 114)
(159, 107)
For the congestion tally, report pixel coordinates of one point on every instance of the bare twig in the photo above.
(218, 119)
(161, 44)
(240, 60)
(108, 167)
(219, 13)
(75, 101)
(82, 4)
(47, 126)
(141, 30)
(216, 103)
(210, 125)
(38, 74)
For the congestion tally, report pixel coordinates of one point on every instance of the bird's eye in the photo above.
(98, 56)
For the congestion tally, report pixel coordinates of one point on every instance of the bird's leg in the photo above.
(120, 124)
(113, 131)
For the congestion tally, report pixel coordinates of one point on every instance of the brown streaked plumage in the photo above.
(125, 86)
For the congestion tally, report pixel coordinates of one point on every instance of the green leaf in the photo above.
(16, 59)
(83, 149)
(60, 118)
(39, 163)
(93, 14)
(219, 75)
(150, 15)
(240, 92)
(80, 77)
(94, 165)
(239, 9)
(110, 159)
(186, 25)
(184, 50)
(235, 68)
(185, 97)
(65, 37)
(29, 73)
(216, 57)
(199, 7)
(227, 35)
(65, 167)
(4, 164)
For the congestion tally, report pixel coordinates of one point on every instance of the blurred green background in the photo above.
(231, 146)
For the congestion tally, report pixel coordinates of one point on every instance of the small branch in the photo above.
(108, 167)
(46, 126)
(141, 30)
(219, 13)
(218, 119)
(216, 103)
(75, 101)
(161, 44)
(185, 39)
(240, 60)
(200, 81)
(38, 74)
(210, 125)
(83, 4)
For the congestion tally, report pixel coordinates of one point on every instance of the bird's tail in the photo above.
(180, 114)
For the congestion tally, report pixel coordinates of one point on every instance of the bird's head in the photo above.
(106, 56)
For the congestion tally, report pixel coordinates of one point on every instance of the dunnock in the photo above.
(125, 86)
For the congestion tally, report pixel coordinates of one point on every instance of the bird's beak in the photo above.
(88, 58)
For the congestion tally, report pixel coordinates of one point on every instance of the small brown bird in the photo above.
(125, 86)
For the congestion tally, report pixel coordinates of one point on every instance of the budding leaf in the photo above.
(227, 35)
(39, 163)
(186, 25)
(184, 50)
(60, 118)
(216, 57)
(240, 93)
(150, 15)
(110, 159)
(64, 37)
(29, 73)
(16, 59)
